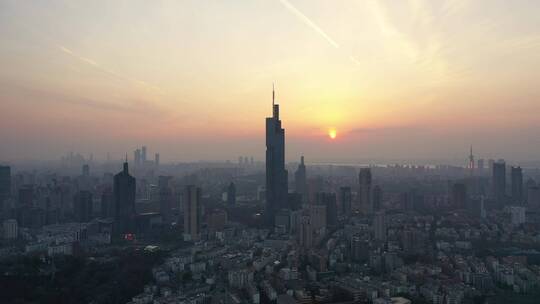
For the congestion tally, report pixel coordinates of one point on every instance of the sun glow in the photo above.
(332, 133)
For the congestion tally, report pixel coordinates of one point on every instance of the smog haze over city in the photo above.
(270, 152)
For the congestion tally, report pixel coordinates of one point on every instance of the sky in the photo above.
(193, 80)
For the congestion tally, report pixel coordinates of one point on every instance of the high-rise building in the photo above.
(82, 206)
(143, 155)
(192, 213)
(166, 198)
(480, 164)
(300, 181)
(379, 226)
(11, 229)
(124, 202)
(377, 198)
(305, 232)
(365, 201)
(231, 194)
(533, 197)
(517, 215)
(329, 200)
(107, 203)
(517, 185)
(5, 185)
(345, 200)
(458, 197)
(86, 170)
(156, 159)
(137, 157)
(499, 182)
(276, 175)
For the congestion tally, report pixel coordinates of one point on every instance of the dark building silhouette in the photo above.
(329, 200)
(192, 213)
(377, 198)
(345, 200)
(276, 175)
(124, 202)
(5, 185)
(231, 194)
(82, 206)
(499, 182)
(365, 201)
(459, 195)
(166, 199)
(107, 203)
(26, 196)
(517, 185)
(300, 180)
(86, 170)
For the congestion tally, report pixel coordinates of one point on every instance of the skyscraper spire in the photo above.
(471, 161)
(273, 96)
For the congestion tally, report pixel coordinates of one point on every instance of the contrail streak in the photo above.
(308, 22)
(108, 71)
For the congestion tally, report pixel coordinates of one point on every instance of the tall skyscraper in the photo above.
(86, 170)
(143, 155)
(377, 198)
(231, 194)
(192, 213)
(517, 185)
(379, 226)
(5, 185)
(471, 162)
(276, 175)
(480, 164)
(300, 181)
(156, 159)
(329, 201)
(345, 200)
(83, 206)
(364, 191)
(166, 198)
(124, 202)
(499, 182)
(459, 195)
(137, 157)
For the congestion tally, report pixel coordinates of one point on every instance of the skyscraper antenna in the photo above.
(273, 97)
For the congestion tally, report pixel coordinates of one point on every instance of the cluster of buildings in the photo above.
(291, 233)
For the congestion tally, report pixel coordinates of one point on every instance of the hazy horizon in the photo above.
(193, 80)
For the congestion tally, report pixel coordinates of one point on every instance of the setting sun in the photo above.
(332, 133)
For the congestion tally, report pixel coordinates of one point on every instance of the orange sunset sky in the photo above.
(193, 79)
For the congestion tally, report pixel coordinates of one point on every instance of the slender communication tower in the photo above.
(471, 161)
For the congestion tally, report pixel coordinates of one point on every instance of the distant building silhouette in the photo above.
(459, 195)
(231, 194)
(517, 185)
(5, 185)
(379, 226)
(499, 182)
(377, 198)
(192, 213)
(83, 206)
(124, 202)
(345, 200)
(365, 201)
(300, 181)
(276, 175)
(166, 199)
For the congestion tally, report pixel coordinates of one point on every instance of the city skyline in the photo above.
(183, 78)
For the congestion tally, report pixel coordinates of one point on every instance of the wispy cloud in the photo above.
(106, 70)
(309, 23)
